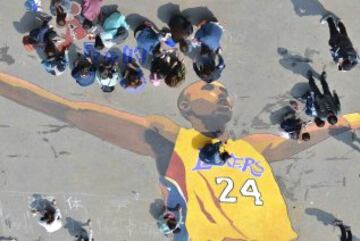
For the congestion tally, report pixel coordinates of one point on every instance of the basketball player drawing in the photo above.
(237, 201)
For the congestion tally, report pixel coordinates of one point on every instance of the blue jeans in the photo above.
(210, 35)
(147, 39)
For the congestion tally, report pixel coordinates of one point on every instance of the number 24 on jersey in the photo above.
(249, 189)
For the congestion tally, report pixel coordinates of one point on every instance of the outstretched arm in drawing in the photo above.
(125, 130)
(276, 148)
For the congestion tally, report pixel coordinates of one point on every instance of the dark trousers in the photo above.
(315, 88)
(335, 34)
(345, 235)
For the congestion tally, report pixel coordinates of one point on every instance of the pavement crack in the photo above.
(51, 147)
(54, 129)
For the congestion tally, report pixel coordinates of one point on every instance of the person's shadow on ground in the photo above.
(27, 23)
(324, 217)
(40, 203)
(157, 208)
(277, 116)
(308, 8)
(107, 10)
(296, 63)
(134, 20)
(349, 137)
(2, 238)
(194, 15)
(300, 90)
(75, 228)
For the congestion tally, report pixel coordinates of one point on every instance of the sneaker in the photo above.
(347, 228)
(337, 222)
(155, 80)
(324, 18)
(33, 212)
(328, 15)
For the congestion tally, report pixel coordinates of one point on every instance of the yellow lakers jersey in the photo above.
(237, 201)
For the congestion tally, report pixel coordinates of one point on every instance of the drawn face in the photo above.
(207, 106)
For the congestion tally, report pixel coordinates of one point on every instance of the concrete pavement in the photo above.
(119, 190)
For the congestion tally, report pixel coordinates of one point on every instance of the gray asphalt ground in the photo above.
(118, 189)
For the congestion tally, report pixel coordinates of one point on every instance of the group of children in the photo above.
(99, 62)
